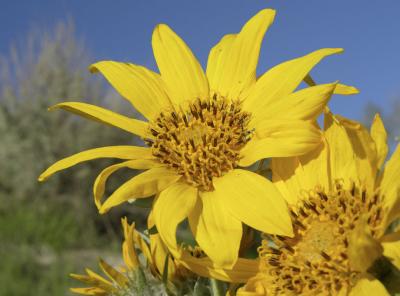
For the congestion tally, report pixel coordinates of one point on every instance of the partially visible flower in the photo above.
(115, 282)
(128, 278)
(201, 127)
(342, 202)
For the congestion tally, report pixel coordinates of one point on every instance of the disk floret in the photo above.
(315, 261)
(201, 140)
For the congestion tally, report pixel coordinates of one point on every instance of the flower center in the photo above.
(315, 260)
(201, 140)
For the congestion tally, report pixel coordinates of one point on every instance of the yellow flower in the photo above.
(100, 286)
(201, 127)
(342, 202)
(118, 280)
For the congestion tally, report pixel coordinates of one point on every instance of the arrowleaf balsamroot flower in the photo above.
(119, 280)
(201, 127)
(342, 202)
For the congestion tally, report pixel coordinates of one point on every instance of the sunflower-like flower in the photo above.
(118, 280)
(201, 127)
(342, 202)
(130, 277)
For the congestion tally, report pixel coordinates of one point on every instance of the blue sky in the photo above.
(368, 30)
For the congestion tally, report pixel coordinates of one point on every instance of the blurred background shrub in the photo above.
(46, 229)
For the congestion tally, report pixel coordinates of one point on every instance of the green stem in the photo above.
(216, 287)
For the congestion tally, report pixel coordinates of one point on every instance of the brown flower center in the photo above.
(201, 140)
(315, 261)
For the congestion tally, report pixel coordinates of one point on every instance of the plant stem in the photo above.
(216, 287)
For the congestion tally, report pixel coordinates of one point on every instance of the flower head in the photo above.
(201, 127)
(342, 203)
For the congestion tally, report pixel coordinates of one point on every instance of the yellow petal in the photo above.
(128, 248)
(280, 138)
(238, 71)
(146, 184)
(345, 90)
(379, 135)
(121, 152)
(112, 273)
(363, 249)
(100, 182)
(256, 286)
(134, 126)
(171, 207)
(340, 89)
(141, 87)
(180, 70)
(214, 226)
(283, 79)
(305, 104)
(390, 186)
(160, 252)
(364, 148)
(391, 250)
(342, 159)
(240, 272)
(138, 240)
(98, 278)
(368, 286)
(93, 291)
(254, 200)
(292, 175)
(217, 59)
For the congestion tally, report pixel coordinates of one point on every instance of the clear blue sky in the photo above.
(369, 30)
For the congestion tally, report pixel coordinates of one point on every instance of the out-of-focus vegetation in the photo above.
(46, 230)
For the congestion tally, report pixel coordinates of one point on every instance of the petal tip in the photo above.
(93, 68)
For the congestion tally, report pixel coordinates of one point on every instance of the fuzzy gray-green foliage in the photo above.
(58, 215)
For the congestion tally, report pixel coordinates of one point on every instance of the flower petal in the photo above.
(217, 59)
(240, 273)
(100, 182)
(379, 135)
(141, 87)
(293, 175)
(364, 149)
(238, 71)
(213, 227)
(121, 152)
(256, 286)
(180, 70)
(280, 138)
(92, 291)
(391, 250)
(254, 200)
(340, 89)
(283, 79)
(367, 286)
(171, 207)
(146, 184)
(305, 104)
(128, 246)
(112, 273)
(134, 126)
(342, 159)
(390, 186)
(363, 248)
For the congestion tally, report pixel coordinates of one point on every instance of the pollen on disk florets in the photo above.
(202, 139)
(315, 261)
